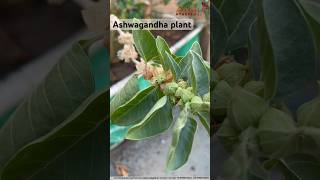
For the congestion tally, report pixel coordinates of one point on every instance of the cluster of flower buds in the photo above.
(155, 73)
(181, 94)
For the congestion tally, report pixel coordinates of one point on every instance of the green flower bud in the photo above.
(183, 84)
(179, 92)
(196, 103)
(190, 89)
(206, 97)
(171, 88)
(186, 95)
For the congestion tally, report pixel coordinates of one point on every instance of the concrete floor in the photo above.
(148, 157)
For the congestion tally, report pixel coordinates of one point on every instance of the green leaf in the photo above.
(135, 109)
(254, 52)
(245, 109)
(200, 75)
(303, 166)
(177, 58)
(292, 45)
(219, 34)
(276, 133)
(233, 11)
(125, 94)
(233, 73)
(145, 44)
(185, 65)
(312, 7)
(239, 37)
(315, 27)
(63, 90)
(173, 65)
(267, 57)
(182, 140)
(158, 119)
(221, 96)
(205, 120)
(196, 48)
(77, 139)
(162, 48)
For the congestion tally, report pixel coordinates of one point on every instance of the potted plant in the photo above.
(175, 81)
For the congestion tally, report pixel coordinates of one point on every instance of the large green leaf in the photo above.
(292, 45)
(145, 44)
(76, 139)
(135, 109)
(303, 166)
(67, 85)
(205, 120)
(312, 7)
(125, 94)
(200, 75)
(233, 11)
(219, 34)
(182, 140)
(239, 37)
(196, 48)
(158, 119)
(254, 52)
(173, 65)
(267, 59)
(185, 65)
(315, 27)
(162, 48)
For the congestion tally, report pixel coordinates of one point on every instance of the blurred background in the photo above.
(34, 34)
(148, 157)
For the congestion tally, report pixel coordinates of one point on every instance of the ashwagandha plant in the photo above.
(267, 104)
(175, 81)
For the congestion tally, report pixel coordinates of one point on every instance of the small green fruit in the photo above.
(186, 95)
(196, 103)
(179, 92)
(171, 88)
